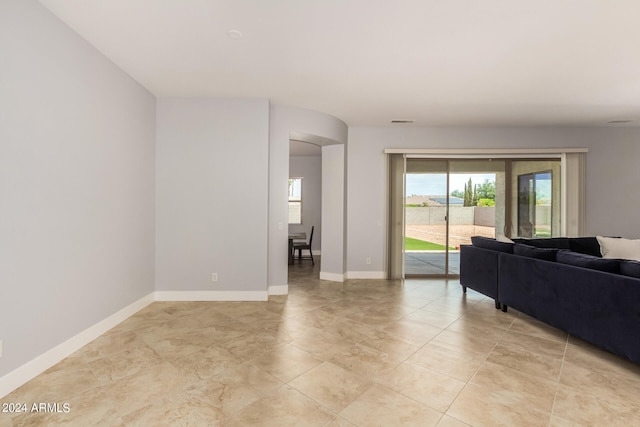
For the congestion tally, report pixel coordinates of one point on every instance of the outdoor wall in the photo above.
(212, 157)
(484, 216)
(437, 214)
(472, 215)
(77, 182)
(429, 224)
(310, 169)
(611, 176)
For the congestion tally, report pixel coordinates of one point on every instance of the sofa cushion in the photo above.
(630, 268)
(553, 242)
(547, 254)
(585, 245)
(616, 247)
(493, 244)
(588, 261)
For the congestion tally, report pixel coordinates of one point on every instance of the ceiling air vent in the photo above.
(402, 121)
(617, 122)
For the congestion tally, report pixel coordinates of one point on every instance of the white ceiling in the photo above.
(367, 62)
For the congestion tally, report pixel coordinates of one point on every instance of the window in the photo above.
(535, 204)
(295, 200)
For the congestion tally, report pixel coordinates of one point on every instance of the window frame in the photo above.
(293, 199)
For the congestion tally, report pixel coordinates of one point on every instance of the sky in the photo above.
(436, 184)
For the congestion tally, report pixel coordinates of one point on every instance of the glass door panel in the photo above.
(537, 198)
(425, 244)
(477, 203)
(534, 204)
(447, 202)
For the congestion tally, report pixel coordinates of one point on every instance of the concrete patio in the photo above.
(431, 263)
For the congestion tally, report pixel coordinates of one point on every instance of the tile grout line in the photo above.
(555, 396)
(468, 382)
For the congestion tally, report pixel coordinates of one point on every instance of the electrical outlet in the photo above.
(214, 277)
(368, 260)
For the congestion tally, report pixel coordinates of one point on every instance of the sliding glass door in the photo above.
(438, 204)
(437, 201)
(537, 185)
(535, 208)
(426, 213)
(447, 202)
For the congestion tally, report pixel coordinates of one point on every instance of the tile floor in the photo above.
(359, 353)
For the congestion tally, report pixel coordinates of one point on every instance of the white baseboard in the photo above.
(279, 290)
(35, 367)
(366, 275)
(211, 296)
(334, 277)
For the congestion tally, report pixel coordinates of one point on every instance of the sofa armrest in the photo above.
(479, 270)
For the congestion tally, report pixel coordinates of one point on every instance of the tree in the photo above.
(487, 190)
(474, 201)
(472, 194)
(468, 194)
(458, 193)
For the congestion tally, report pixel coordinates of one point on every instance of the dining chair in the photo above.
(304, 245)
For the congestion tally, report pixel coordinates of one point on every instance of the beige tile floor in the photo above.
(359, 353)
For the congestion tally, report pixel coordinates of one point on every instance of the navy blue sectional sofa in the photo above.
(561, 281)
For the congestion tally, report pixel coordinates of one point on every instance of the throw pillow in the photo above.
(585, 245)
(616, 247)
(547, 254)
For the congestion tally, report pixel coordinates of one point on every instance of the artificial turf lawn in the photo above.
(411, 244)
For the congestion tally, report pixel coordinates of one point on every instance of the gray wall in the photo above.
(76, 184)
(611, 182)
(333, 262)
(310, 169)
(212, 156)
(283, 122)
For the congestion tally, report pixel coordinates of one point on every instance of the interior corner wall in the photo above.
(310, 169)
(612, 176)
(283, 121)
(77, 165)
(333, 213)
(212, 195)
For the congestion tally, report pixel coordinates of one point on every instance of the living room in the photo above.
(115, 191)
